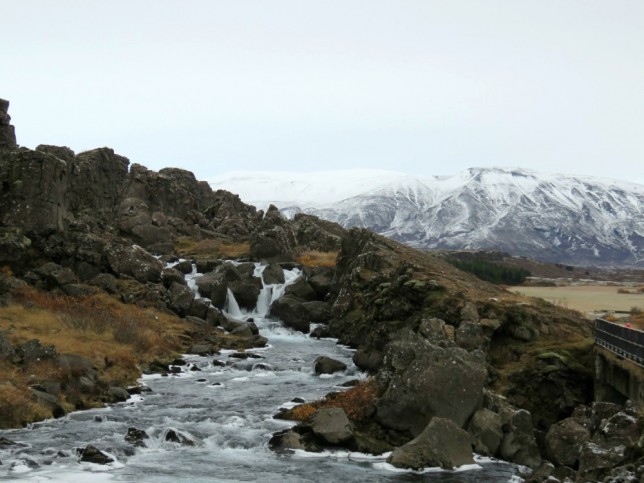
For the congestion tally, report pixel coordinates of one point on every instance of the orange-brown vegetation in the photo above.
(314, 258)
(210, 248)
(116, 337)
(357, 402)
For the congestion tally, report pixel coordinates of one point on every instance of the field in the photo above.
(586, 298)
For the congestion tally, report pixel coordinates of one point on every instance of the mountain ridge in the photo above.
(550, 217)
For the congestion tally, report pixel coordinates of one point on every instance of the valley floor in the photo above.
(588, 299)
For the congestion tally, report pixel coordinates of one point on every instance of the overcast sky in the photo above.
(421, 86)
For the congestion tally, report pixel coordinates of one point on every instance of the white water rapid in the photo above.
(226, 412)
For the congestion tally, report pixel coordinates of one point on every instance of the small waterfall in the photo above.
(190, 280)
(271, 292)
(231, 306)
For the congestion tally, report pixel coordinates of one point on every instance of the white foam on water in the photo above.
(391, 468)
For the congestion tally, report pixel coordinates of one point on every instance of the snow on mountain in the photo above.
(261, 188)
(550, 217)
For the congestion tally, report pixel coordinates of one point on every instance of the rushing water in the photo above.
(226, 412)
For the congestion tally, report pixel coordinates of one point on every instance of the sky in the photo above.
(425, 87)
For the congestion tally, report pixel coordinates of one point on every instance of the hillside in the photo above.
(554, 218)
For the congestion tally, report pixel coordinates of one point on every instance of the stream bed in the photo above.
(224, 415)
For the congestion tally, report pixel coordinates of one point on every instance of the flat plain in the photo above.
(586, 298)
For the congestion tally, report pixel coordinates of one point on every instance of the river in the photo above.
(226, 413)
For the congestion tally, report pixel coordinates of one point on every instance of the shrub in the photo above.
(356, 402)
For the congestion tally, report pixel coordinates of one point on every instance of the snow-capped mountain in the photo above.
(557, 218)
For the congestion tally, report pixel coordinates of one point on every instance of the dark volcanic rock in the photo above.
(7, 131)
(326, 365)
(564, 441)
(486, 429)
(441, 444)
(91, 454)
(416, 368)
(134, 262)
(274, 237)
(331, 425)
(34, 351)
(272, 274)
(136, 437)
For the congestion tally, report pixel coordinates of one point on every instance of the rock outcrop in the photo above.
(7, 131)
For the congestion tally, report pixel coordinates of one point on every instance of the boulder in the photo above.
(181, 298)
(91, 454)
(56, 276)
(486, 430)
(48, 400)
(564, 441)
(199, 308)
(117, 394)
(185, 266)
(331, 425)
(441, 444)
(176, 436)
(202, 349)
(326, 365)
(290, 310)
(213, 286)
(136, 437)
(246, 291)
(272, 274)
(172, 275)
(106, 282)
(321, 281)
(424, 381)
(519, 444)
(34, 351)
(596, 462)
(73, 365)
(285, 441)
(302, 290)
(134, 262)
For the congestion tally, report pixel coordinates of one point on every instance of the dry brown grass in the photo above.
(17, 407)
(116, 337)
(356, 402)
(189, 247)
(314, 258)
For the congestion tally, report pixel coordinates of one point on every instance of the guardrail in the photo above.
(623, 341)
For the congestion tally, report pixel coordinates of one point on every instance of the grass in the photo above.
(189, 247)
(314, 258)
(116, 337)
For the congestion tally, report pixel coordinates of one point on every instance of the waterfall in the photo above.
(271, 292)
(190, 280)
(231, 307)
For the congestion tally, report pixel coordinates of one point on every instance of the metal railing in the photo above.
(624, 341)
